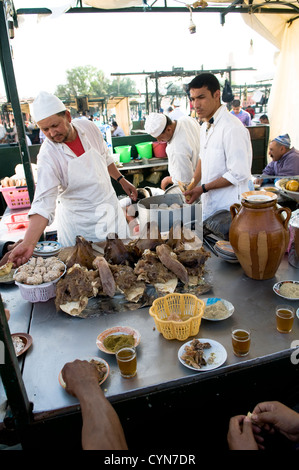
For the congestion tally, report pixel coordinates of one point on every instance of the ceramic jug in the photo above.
(259, 236)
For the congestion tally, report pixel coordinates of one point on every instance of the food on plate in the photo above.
(216, 311)
(194, 354)
(5, 269)
(292, 185)
(101, 368)
(39, 271)
(106, 276)
(288, 289)
(114, 342)
(18, 343)
(169, 259)
(74, 290)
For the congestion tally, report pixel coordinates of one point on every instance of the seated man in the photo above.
(285, 160)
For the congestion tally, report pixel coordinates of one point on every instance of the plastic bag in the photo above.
(218, 224)
(227, 93)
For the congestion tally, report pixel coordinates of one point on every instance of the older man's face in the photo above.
(276, 151)
(57, 128)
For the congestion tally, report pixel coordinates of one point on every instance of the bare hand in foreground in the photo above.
(79, 376)
(101, 428)
(274, 416)
(240, 434)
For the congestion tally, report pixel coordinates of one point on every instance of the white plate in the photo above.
(228, 305)
(297, 312)
(216, 348)
(258, 197)
(278, 285)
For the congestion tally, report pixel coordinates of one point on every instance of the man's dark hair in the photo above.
(205, 79)
(114, 124)
(236, 103)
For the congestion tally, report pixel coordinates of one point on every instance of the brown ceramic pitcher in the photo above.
(259, 236)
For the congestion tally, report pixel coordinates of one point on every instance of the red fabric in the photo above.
(76, 146)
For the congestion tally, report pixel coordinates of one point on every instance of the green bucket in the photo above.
(124, 153)
(145, 149)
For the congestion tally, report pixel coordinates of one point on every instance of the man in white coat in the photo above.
(225, 149)
(73, 181)
(183, 145)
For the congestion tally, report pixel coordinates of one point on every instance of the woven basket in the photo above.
(183, 305)
(40, 292)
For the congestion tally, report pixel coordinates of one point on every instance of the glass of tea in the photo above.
(127, 361)
(241, 338)
(284, 318)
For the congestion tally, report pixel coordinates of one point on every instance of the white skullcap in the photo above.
(46, 105)
(176, 102)
(155, 124)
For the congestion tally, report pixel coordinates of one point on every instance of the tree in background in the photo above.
(89, 81)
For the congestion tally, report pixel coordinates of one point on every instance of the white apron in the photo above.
(89, 206)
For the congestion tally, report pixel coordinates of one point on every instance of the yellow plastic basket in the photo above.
(183, 305)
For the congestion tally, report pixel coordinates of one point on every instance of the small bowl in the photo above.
(26, 339)
(180, 305)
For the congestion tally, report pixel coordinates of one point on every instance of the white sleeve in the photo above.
(45, 196)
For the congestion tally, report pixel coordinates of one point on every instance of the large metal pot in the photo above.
(157, 209)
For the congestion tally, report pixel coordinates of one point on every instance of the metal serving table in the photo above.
(59, 338)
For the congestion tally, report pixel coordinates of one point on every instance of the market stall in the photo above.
(59, 338)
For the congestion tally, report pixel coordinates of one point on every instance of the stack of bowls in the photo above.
(46, 249)
(225, 251)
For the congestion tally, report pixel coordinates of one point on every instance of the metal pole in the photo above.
(12, 92)
(11, 376)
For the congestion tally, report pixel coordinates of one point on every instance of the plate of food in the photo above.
(6, 273)
(21, 342)
(110, 340)
(287, 289)
(101, 365)
(217, 309)
(202, 354)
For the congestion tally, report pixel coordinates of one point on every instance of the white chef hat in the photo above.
(46, 105)
(155, 124)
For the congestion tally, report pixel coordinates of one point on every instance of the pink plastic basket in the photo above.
(17, 222)
(16, 197)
